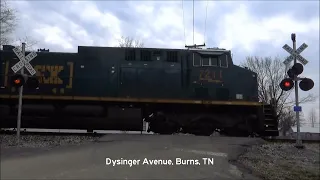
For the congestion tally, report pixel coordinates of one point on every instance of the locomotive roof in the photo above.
(164, 49)
(207, 51)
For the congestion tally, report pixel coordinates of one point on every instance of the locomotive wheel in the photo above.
(235, 132)
(166, 127)
(201, 127)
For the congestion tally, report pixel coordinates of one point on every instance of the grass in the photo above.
(282, 161)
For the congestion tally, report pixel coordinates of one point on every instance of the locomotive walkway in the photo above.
(89, 161)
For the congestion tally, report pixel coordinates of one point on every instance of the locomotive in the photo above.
(196, 91)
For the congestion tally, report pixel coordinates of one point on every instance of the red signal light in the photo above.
(17, 80)
(286, 84)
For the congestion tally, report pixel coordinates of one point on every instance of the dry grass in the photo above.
(282, 161)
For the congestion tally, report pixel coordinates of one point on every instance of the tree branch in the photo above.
(130, 42)
(8, 22)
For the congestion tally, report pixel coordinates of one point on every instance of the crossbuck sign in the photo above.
(24, 61)
(295, 54)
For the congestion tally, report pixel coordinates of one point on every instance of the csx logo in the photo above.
(49, 74)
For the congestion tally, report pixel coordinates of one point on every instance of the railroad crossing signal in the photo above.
(24, 61)
(286, 84)
(305, 83)
(296, 69)
(295, 54)
(19, 80)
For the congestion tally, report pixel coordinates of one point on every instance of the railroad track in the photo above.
(286, 140)
(12, 132)
(96, 134)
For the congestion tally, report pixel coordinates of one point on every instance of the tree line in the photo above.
(270, 71)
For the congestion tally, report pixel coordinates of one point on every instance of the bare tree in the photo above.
(8, 22)
(130, 42)
(271, 71)
(312, 117)
(30, 43)
(8, 25)
(288, 120)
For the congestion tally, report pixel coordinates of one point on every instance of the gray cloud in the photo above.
(301, 11)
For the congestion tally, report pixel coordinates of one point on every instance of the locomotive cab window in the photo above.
(145, 55)
(214, 61)
(224, 62)
(196, 60)
(172, 56)
(156, 53)
(206, 61)
(209, 61)
(130, 55)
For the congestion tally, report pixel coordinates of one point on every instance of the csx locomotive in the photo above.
(193, 90)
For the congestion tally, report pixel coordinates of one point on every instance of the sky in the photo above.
(247, 28)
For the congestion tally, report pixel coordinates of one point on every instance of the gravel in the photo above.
(282, 161)
(38, 141)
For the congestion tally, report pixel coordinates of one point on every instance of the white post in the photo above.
(20, 99)
(298, 140)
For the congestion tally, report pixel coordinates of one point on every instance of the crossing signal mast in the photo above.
(287, 84)
(19, 79)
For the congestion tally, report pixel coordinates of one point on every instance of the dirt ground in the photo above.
(282, 161)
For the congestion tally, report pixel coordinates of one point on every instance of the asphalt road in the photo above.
(89, 161)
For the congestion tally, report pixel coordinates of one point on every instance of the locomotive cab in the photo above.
(215, 77)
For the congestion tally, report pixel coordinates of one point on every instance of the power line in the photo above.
(194, 45)
(184, 27)
(205, 24)
(193, 21)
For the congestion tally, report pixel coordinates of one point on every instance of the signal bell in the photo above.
(286, 84)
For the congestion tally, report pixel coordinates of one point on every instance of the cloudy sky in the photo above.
(258, 28)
